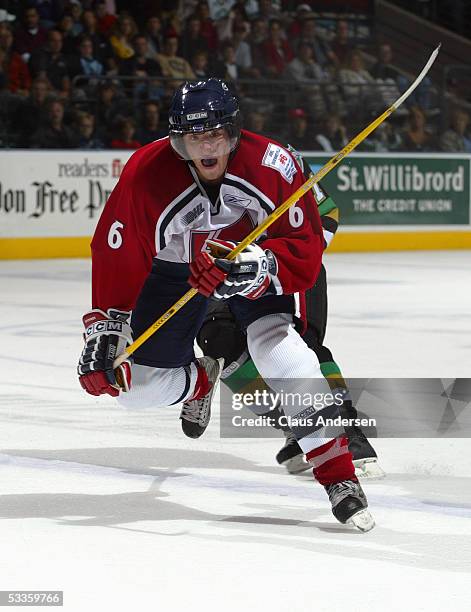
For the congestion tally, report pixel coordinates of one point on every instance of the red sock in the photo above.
(332, 462)
(202, 385)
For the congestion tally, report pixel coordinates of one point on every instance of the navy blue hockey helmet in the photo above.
(205, 106)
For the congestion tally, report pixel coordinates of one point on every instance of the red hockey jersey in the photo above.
(159, 208)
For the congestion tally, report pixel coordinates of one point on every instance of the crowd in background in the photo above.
(96, 74)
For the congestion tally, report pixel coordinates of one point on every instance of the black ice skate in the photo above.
(291, 455)
(349, 504)
(195, 414)
(364, 455)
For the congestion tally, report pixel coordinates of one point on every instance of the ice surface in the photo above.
(122, 512)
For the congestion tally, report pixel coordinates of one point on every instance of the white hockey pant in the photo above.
(153, 387)
(288, 365)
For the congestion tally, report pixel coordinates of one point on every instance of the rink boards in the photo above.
(50, 201)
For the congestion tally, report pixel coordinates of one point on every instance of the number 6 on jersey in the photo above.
(115, 240)
(296, 216)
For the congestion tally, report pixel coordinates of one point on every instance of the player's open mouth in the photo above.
(209, 163)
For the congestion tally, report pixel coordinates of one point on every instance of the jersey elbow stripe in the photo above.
(326, 206)
(328, 236)
(329, 224)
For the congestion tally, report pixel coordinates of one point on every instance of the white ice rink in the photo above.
(122, 512)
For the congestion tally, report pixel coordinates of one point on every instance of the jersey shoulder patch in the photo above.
(280, 160)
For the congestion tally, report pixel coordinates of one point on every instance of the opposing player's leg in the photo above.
(165, 370)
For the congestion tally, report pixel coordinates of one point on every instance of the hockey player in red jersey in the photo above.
(179, 205)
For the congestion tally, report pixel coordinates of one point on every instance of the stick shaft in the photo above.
(259, 230)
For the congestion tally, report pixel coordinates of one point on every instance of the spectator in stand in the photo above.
(69, 40)
(125, 129)
(456, 139)
(32, 111)
(75, 12)
(240, 9)
(200, 65)
(309, 74)
(87, 139)
(299, 134)
(227, 26)
(208, 29)
(6, 19)
(110, 104)
(123, 33)
(227, 68)
(303, 67)
(101, 47)
(85, 64)
(17, 77)
(31, 36)
(192, 41)
(243, 53)
(174, 25)
(140, 65)
(418, 136)
(341, 45)
(150, 128)
(359, 87)
(53, 134)
(384, 138)
(51, 63)
(259, 32)
(173, 65)
(383, 68)
(277, 51)
(322, 50)
(106, 20)
(267, 11)
(49, 11)
(294, 30)
(153, 33)
(186, 9)
(387, 77)
(332, 135)
(258, 37)
(256, 121)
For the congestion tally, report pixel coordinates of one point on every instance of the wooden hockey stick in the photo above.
(254, 234)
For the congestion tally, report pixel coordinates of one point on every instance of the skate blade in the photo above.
(368, 468)
(362, 520)
(296, 465)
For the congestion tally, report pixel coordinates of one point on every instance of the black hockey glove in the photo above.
(106, 336)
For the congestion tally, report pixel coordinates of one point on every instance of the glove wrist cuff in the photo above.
(272, 263)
